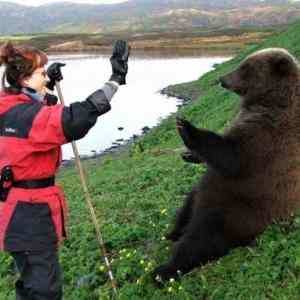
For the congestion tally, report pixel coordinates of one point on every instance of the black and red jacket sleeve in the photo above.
(58, 124)
(80, 117)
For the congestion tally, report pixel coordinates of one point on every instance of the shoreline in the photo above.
(153, 53)
(225, 40)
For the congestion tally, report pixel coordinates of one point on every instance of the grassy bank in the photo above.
(136, 195)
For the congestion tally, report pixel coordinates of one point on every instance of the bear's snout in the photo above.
(232, 83)
(223, 82)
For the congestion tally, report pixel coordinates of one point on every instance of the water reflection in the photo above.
(165, 53)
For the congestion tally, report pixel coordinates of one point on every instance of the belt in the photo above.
(34, 184)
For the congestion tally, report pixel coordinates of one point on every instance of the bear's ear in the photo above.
(281, 66)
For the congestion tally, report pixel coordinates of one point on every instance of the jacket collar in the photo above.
(33, 94)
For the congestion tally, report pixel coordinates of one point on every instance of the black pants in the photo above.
(40, 275)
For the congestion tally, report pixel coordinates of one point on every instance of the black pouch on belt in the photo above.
(6, 180)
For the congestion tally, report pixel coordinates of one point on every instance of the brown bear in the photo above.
(253, 169)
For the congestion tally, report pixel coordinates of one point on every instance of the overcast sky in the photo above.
(40, 2)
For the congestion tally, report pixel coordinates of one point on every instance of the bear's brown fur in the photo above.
(253, 174)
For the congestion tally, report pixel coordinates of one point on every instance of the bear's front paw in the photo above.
(187, 132)
(191, 157)
(164, 273)
(182, 124)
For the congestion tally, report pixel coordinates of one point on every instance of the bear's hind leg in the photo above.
(204, 240)
(183, 217)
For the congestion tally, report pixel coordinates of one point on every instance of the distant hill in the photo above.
(145, 16)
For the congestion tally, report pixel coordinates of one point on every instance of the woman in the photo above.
(32, 130)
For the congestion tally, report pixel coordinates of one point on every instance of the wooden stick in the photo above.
(89, 203)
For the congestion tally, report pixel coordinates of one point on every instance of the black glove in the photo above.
(119, 62)
(54, 73)
(51, 99)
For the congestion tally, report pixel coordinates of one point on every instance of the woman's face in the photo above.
(37, 80)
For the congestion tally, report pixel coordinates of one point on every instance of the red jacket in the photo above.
(31, 135)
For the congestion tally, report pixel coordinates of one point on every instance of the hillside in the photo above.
(222, 41)
(136, 195)
(145, 16)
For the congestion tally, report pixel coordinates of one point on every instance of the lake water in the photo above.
(136, 105)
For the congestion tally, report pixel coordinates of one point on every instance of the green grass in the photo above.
(136, 195)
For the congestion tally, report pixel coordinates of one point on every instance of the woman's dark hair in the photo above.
(19, 63)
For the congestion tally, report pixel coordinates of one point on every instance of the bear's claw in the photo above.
(164, 273)
(189, 156)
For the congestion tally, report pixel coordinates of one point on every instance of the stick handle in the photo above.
(89, 202)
